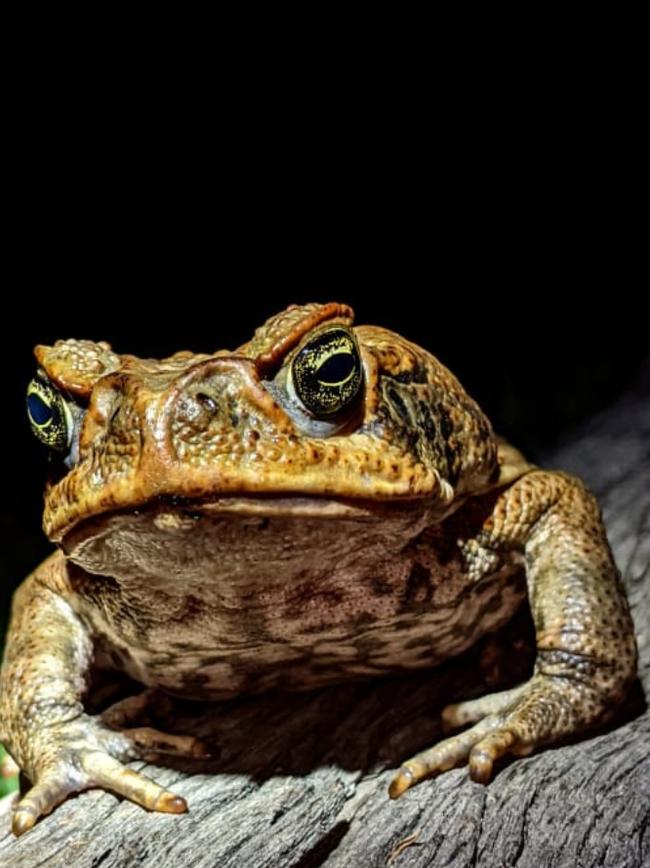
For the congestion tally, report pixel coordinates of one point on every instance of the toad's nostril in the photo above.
(207, 402)
(198, 411)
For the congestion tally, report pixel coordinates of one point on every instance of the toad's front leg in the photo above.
(586, 653)
(42, 722)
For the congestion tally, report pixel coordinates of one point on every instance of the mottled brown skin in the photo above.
(214, 541)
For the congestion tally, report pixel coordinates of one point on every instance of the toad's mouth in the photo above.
(190, 538)
(280, 504)
(169, 513)
(288, 505)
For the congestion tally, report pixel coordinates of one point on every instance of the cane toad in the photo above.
(324, 503)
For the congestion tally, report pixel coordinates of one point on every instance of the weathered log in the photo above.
(301, 780)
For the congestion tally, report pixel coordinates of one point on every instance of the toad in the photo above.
(324, 503)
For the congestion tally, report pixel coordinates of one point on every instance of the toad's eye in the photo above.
(49, 415)
(327, 372)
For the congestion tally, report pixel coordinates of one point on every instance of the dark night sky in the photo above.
(530, 302)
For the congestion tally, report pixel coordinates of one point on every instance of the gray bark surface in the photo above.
(301, 780)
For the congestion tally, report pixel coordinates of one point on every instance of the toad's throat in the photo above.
(210, 602)
(231, 540)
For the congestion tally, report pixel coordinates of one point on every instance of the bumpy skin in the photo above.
(215, 540)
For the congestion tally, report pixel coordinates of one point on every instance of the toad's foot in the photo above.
(79, 754)
(151, 742)
(511, 722)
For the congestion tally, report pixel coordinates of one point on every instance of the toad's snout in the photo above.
(220, 401)
(174, 430)
(213, 408)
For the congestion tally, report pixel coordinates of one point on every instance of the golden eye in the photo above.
(327, 372)
(49, 415)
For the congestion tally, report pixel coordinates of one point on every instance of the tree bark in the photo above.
(301, 780)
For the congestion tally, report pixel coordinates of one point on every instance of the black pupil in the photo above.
(336, 369)
(40, 412)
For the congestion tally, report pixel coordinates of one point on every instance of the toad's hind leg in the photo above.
(586, 653)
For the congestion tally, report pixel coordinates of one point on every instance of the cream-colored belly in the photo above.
(246, 605)
(329, 639)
